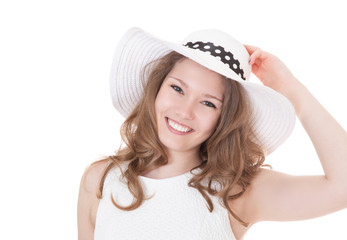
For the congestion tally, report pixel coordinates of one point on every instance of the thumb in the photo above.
(255, 55)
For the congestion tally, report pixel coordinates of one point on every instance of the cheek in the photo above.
(164, 102)
(210, 123)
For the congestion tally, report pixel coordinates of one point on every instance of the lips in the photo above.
(177, 128)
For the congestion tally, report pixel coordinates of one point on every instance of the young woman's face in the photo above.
(188, 106)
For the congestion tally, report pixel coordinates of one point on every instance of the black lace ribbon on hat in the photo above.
(218, 51)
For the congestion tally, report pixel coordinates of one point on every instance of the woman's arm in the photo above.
(87, 200)
(277, 196)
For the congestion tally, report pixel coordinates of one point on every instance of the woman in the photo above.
(197, 134)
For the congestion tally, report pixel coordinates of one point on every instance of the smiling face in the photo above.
(188, 106)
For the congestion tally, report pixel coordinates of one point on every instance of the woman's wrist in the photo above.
(296, 93)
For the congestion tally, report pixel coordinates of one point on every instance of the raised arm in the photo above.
(281, 197)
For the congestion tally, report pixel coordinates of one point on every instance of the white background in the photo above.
(56, 111)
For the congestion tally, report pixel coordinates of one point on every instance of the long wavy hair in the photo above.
(230, 156)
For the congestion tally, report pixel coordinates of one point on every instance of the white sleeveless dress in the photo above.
(176, 212)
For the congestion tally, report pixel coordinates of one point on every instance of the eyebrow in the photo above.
(204, 94)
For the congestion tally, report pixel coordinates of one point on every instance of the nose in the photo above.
(186, 110)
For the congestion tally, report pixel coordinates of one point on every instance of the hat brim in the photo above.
(273, 116)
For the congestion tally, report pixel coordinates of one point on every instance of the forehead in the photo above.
(198, 77)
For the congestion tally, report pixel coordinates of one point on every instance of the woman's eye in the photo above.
(209, 104)
(177, 89)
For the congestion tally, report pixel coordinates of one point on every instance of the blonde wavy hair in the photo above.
(231, 155)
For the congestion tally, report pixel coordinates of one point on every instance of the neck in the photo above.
(178, 163)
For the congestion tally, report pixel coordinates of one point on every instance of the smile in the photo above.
(177, 128)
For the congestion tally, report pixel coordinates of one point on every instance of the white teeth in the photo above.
(178, 127)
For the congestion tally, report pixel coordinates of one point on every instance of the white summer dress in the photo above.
(176, 212)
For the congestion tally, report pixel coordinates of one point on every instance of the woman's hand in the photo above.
(271, 71)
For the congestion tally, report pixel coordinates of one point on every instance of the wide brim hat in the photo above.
(273, 116)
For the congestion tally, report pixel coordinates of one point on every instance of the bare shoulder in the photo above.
(239, 204)
(92, 175)
(87, 199)
(243, 206)
(245, 203)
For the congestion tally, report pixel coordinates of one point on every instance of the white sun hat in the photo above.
(273, 116)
